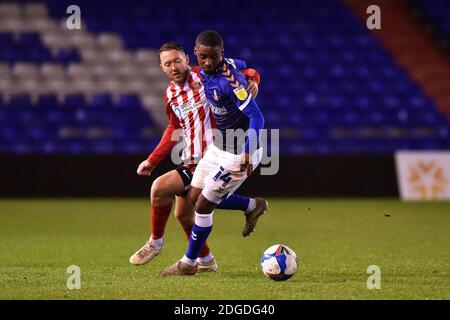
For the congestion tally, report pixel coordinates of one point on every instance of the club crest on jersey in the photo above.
(241, 93)
(215, 96)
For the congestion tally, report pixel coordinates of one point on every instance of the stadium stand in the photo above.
(328, 84)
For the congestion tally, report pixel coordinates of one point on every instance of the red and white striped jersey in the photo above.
(188, 103)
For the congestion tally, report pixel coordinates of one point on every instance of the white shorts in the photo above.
(218, 173)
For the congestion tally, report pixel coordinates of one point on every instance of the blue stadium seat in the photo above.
(66, 56)
(74, 146)
(47, 101)
(102, 146)
(128, 101)
(46, 146)
(101, 100)
(75, 101)
(20, 101)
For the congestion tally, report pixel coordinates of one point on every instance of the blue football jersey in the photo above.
(232, 106)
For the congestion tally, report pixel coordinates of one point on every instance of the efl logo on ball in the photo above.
(279, 262)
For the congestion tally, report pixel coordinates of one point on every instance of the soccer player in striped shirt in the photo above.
(189, 112)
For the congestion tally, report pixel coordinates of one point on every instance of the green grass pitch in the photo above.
(335, 239)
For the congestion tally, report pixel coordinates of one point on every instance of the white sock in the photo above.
(188, 261)
(158, 243)
(204, 220)
(251, 205)
(205, 259)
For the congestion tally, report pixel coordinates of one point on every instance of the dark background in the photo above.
(115, 175)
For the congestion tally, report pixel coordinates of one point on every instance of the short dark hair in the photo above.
(171, 45)
(209, 38)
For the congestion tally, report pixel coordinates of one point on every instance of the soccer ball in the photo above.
(279, 262)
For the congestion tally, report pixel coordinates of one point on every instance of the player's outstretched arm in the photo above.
(256, 124)
(244, 101)
(161, 151)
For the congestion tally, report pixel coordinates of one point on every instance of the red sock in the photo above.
(205, 249)
(160, 215)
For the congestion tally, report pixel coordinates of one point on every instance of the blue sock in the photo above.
(235, 202)
(199, 235)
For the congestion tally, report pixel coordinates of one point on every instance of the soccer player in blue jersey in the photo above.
(235, 151)
(188, 110)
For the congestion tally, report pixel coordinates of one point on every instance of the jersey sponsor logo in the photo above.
(185, 108)
(219, 110)
(177, 112)
(241, 93)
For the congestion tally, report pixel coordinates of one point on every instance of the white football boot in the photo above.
(145, 254)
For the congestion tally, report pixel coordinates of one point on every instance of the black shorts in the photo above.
(186, 171)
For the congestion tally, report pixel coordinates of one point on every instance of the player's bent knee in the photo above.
(203, 205)
(160, 191)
